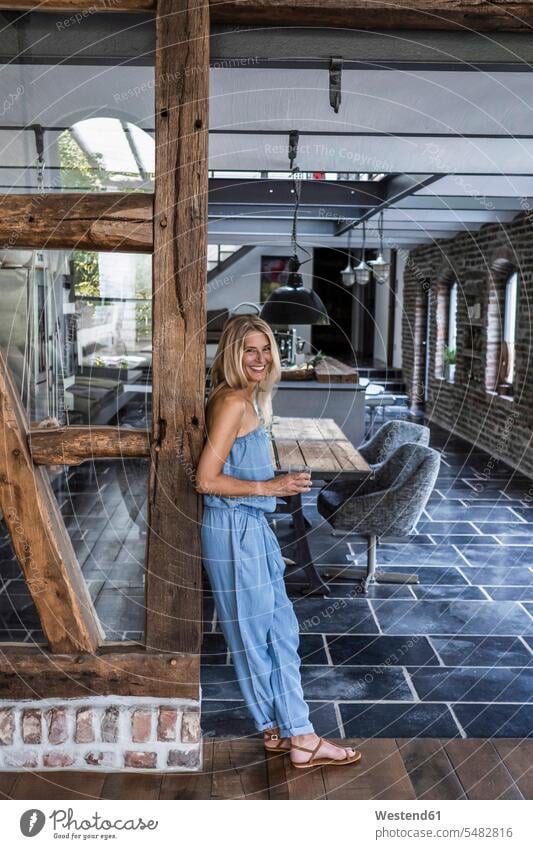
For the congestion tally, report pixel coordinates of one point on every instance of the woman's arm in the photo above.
(226, 418)
(227, 415)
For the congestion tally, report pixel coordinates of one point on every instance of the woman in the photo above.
(240, 552)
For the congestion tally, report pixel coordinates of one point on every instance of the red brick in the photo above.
(190, 726)
(189, 759)
(84, 726)
(7, 726)
(100, 758)
(109, 727)
(166, 725)
(57, 726)
(140, 760)
(31, 725)
(57, 759)
(141, 724)
(21, 758)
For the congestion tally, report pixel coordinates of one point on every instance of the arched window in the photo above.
(507, 358)
(450, 349)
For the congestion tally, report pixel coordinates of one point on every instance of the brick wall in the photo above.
(469, 407)
(102, 732)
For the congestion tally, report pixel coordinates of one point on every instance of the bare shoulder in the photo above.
(228, 405)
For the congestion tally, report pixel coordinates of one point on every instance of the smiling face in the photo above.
(257, 356)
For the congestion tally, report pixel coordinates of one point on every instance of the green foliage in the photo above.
(450, 356)
(86, 273)
(76, 171)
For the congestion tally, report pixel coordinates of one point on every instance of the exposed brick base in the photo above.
(103, 732)
(469, 406)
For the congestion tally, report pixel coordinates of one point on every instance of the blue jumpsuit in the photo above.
(245, 567)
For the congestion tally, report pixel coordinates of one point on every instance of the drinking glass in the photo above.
(299, 467)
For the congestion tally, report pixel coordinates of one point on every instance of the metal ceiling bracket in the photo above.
(294, 135)
(335, 74)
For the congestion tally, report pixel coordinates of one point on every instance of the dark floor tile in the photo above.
(481, 651)
(382, 719)
(495, 720)
(462, 540)
(349, 590)
(214, 649)
(110, 571)
(477, 514)
(447, 528)
(499, 575)
(525, 513)
(411, 555)
(473, 684)
(232, 719)
(497, 555)
(355, 683)
(454, 617)
(337, 616)
(506, 529)
(529, 641)
(219, 682)
(371, 651)
(432, 575)
(226, 719)
(528, 607)
(436, 593)
(15, 634)
(312, 649)
(518, 539)
(459, 492)
(512, 593)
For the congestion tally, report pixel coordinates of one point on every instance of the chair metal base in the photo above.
(371, 575)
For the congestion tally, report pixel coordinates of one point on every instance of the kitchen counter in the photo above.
(343, 402)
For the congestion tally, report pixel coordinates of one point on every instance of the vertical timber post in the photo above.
(173, 556)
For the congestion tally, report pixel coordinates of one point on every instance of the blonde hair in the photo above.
(227, 369)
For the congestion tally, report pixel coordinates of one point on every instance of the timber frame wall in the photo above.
(172, 224)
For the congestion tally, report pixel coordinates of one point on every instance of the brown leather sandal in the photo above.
(278, 746)
(351, 759)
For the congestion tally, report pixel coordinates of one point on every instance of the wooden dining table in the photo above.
(321, 445)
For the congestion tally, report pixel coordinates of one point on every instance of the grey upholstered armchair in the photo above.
(389, 503)
(389, 437)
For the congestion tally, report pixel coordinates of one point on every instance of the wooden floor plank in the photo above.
(59, 785)
(429, 769)
(410, 768)
(380, 774)
(277, 776)
(481, 771)
(517, 756)
(196, 785)
(131, 785)
(239, 770)
(7, 780)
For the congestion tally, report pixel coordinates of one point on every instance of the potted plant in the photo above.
(450, 360)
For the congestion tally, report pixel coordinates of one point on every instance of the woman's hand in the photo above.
(290, 484)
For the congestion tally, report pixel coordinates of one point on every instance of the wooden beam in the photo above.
(173, 556)
(74, 6)
(38, 534)
(34, 673)
(70, 446)
(106, 221)
(483, 15)
(468, 15)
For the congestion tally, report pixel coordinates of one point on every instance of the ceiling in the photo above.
(455, 144)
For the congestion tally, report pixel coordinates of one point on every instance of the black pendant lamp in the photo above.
(293, 303)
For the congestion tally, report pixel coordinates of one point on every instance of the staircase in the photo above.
(226, 258)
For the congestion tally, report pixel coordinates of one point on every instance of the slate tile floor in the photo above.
(449, 657)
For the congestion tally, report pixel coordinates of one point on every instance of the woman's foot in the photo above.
(273, 741)
(325, 751)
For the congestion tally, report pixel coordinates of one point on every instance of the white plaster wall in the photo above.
(381, 318)
(401, 258)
